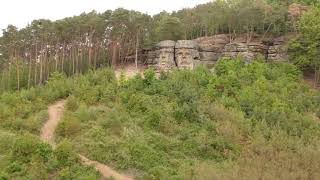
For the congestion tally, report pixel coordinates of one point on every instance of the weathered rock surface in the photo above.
(188, 54)
(213, 44)
(164, 55)
(248, 51)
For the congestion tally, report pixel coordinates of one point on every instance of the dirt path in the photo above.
(55, 112)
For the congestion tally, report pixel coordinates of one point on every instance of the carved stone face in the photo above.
(165, 55)
(186, 54)
(165, 59)
(185, 58)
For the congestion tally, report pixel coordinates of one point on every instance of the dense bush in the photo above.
(69, 126)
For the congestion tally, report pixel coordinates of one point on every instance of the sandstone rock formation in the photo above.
(187, 54)
(277, 50)
(211, 49)
(165, 55)
(248, 51)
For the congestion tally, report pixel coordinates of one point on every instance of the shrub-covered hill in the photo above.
(22, 154)
(240, 121)
(246, 121)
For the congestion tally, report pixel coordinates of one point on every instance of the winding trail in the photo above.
(47, 134)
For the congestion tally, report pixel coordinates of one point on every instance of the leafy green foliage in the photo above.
(26, 157)
(72, 103)
(184, 123)
(56, 42)
(238, 121)
(69, 126)
(305, 50)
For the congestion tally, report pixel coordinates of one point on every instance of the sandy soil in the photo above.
(47, 135)
(55, 114)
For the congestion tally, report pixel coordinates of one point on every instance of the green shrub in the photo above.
(114, 126)
(72, 103)
(65, 154)
(69, 126)
(58, 86)
(24, 148)
(44, 151)
(34, 123)
(149, 76)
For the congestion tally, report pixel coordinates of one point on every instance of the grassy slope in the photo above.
(251, 121)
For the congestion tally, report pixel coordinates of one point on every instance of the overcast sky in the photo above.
(22, 12)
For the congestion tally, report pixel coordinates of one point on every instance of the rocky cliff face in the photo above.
(187, 54)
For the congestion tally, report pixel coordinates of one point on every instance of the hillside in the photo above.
(75, 45)
(225, 90)
(251, 121)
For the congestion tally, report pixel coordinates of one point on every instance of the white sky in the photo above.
(22, 12)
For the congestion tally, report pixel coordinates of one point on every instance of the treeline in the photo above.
(86, 42)
(72, 45)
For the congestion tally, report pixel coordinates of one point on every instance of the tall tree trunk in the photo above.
(62, 59)
(73, 59)
(114, 54)
(41, 68)
(56, 58)
(81, 60)
(9, 74)
(96, 52)
(77, 60)
(30, 68)
(137, 46)
(35, 66)
(89, 57)
(47, 65)
(18, 70)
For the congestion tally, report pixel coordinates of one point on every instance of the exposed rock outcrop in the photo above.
(165, 55)
(277, 50)
(248, 51)
(187, 54)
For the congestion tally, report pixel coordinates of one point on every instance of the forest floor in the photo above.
(47, 134)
